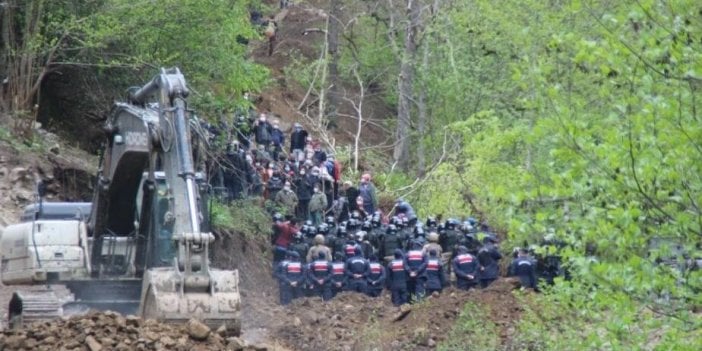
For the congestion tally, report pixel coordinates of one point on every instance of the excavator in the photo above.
(142, 245)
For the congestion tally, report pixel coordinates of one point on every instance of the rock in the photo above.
(261, 347)
(297, 322)
(435, 294)
(404, 311)
(14, 342)
(235, 344)
(93, 345)
(133, 321)
(431, 343)
(222, 330)
(198, 330)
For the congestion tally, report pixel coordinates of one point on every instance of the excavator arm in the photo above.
(150, 146)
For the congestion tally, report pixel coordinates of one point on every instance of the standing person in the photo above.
(298, 140)
(416, 265)
(357, 269)
(351, 193)
(263, 131)
(319, 247)
(488, 257)
(435, 274)
(376, 277)
(466, 268)
(292, 279)
(403, 207)
(318, 204)
(367, 193)
(338, 276)
(285, 232)
(390, 242)
(287, 199)
(303, 189)
(319, 275)
(271, 32)
(397, 278)
(524, 268)
(278, 140)
(433, 244)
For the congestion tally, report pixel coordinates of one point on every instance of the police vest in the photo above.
(414, 257)
(337, 269)
(376, 269)
(433, 265)
(397, 266)
(294, 268)
(320, 268)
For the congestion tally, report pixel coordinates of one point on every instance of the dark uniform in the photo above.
(397, 278)
(319, 275)
(489, 269)
(524, 268)
(416, 265)
(292, 278)
(357, 269)
(376, 278)
(435, 275)
(466, 268)
(338, 274)
(390, 242)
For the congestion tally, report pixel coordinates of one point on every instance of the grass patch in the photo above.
(244, 216)
(473, 331)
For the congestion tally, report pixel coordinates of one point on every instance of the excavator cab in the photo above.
(144, 248)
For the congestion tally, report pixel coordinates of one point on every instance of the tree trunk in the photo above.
(22, 67)
(333, 30)
(422, 116)
(405, 86)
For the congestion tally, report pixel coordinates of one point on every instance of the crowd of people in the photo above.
(330, 236)
(403, 255)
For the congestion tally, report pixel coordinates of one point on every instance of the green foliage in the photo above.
(581, 118)
(200, 38)
(473, 331)
(243, 216)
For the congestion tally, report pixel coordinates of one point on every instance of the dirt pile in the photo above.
(111, 331)
(357, 322)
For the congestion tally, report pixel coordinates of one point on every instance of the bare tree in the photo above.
(401, 153)
(333, 30)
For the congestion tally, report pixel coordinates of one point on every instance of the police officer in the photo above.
(397, 278)
(435, 275)
(357, 269)
(376, 277)
(366, 247)
(319, 275)
(292, 279)
(450, 236)
(488, 257)
(350, 247)
(466, 268)
(524, 268)
(416, 265)
(300, 246)
(390, 242)
(338, 274)
(340, 242)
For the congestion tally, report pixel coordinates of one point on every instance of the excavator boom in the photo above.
(144, 232)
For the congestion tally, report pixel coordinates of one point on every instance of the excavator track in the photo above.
(28, 307)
